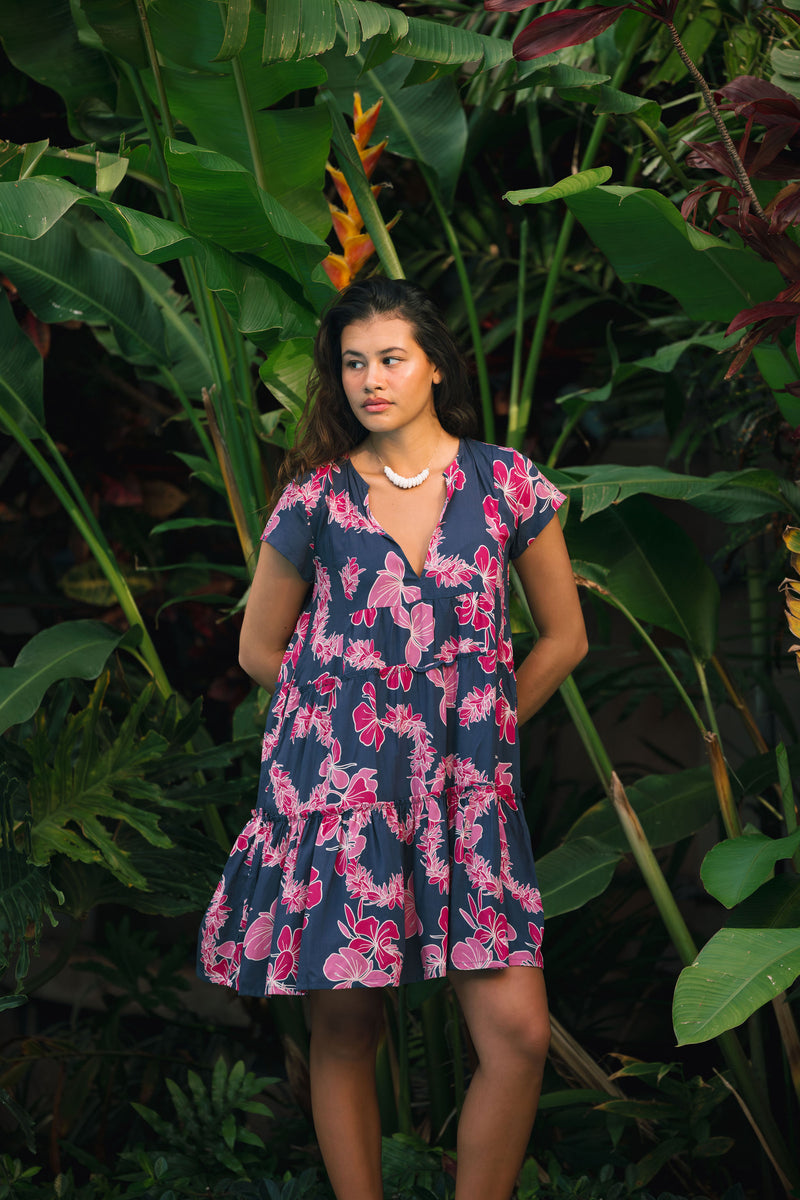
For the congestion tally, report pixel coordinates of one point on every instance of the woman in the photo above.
(389, 845)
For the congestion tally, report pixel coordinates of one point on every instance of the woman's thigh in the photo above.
(346, 1022)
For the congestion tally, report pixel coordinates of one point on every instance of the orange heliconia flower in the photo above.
(348, 224)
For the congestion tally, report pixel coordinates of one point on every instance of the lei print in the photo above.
(388, 844)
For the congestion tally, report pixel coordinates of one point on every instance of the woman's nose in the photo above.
(374, 377)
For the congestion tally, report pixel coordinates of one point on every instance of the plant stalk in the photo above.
(711, 104)
(518, 419)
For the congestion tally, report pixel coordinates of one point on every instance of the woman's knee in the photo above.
(346, 1024)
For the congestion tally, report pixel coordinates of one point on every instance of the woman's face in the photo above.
(387, 377)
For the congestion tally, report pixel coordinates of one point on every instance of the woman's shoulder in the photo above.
(487, 454)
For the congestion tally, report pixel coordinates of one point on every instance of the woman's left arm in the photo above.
(546, 575)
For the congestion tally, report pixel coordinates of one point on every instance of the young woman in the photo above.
(388, 843)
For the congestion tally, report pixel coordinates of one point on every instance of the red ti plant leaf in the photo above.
(568, 27)
(507, 5)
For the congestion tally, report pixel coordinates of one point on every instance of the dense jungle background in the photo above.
(605, 202)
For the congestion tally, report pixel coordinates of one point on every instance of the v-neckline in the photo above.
(447, 473)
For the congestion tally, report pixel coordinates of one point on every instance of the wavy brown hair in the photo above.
(328, 429)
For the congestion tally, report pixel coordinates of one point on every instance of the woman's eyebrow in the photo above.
(388, 350)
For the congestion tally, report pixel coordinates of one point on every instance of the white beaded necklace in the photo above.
(406, 481)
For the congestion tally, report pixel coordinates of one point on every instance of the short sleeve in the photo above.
(531, 499)
(289, 529)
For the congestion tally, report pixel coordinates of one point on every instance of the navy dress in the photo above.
(388, 843)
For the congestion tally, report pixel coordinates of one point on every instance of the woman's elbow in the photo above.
(258, 666)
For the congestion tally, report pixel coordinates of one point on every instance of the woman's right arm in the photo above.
(273, 606)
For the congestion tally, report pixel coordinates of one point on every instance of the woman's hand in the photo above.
(273, 606)
(547, 580)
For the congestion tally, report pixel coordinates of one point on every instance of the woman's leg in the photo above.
(507, 1017)
(345, 1028)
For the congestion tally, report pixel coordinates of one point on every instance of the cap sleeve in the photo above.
(531, 499)
(289, 529)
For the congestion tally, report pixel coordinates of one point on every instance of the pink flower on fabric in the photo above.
(412, 924)
(475, 608)
(470, 955)
(365, 616)
(368, 935)
(362, 788)
(397, 677)
(454, 478)
(350, 967)
(488, 567)
(447, 680)
(328, 685)
(450, 650)
(288, 945)
(300, 631)
(476, 705)
(365, 719)
(250, 829)
(498, 530)
(258, 939)
(346, 514)
(389, 590)
(362, 655)
(330, 769)
(351, 845)
(349, 574)
(420, 632)
(506, 719)
(536, 933)
(448, 571)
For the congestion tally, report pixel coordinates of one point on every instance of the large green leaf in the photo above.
(776, 905)
(26, 893)
(732, 870)
(225, 205)
(76, 649)
(653, 568)
(670, 807)
(61, 279)
(574, 873)
(40, 38)
(302, 28)
(226, 105)
(20, 374)
(734, 974)
(253, 294)
(647, 240)
(731, 495)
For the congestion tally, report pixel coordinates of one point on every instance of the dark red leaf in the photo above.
(568, 27)
(762, 312)
(784, 210)
(786, 13)
(771, 103)
(507, 5)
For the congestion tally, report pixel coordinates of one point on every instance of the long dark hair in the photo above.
(328, 429)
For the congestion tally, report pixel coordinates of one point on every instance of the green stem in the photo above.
(248, 117)
(468, 298)
(710, 712)
(97, 544)
(682, 940)
(155, 67)
(664, 151)
(566, 431)
(651, 645)
(519, 322)
(353, 171)
(518, 421)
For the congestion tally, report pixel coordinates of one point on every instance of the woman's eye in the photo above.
(352, 364)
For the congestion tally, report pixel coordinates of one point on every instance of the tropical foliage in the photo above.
(542, 179)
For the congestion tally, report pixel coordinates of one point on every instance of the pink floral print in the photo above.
(388, 843)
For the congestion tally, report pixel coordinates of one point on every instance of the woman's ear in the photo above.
(437, 375)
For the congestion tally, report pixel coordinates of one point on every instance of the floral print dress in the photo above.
(388, 843)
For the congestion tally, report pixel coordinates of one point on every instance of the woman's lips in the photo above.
(376, 406)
